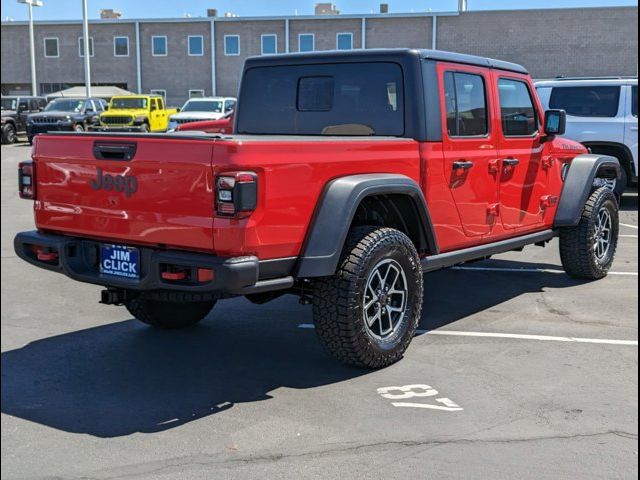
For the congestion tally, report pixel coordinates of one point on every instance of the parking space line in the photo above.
(628, 236)
(518, 336)
(635, 227)
(531, 270)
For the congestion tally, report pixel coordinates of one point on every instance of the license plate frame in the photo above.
(120, 261)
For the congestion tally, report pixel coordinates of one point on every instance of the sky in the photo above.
(72, 9)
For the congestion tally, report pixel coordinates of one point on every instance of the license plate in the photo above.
(120, 261)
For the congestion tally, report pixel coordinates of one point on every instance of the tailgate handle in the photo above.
(114, 151)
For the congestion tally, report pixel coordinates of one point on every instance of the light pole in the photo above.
(87, 56)
(31, 4)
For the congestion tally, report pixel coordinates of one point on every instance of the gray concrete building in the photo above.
(204, 56)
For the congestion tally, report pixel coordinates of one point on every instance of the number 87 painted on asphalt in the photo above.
(418, 391)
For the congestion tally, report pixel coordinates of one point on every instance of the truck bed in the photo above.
(173, 202)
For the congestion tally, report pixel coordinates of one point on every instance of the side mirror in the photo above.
(555, 122)
(178, 109)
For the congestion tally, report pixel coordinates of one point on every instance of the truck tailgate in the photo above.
(135, 189)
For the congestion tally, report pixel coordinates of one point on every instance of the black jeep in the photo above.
(65, 114)
(15, 110)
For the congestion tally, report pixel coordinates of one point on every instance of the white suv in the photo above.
(202, 108)
(602, 114)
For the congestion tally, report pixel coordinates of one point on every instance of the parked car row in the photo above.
(128, 113)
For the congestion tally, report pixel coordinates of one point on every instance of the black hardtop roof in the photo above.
(76, 98)
(380, 54)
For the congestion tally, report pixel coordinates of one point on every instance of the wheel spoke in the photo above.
(367, 305)
(372, 320)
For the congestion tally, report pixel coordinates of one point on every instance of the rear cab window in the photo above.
(339, 99)
(586, 101)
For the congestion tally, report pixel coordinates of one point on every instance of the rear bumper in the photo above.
(78, 259)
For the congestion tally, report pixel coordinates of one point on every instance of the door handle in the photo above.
(510, 162)
(462, 164)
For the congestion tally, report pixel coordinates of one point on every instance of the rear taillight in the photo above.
(236, 194)
(27, 179)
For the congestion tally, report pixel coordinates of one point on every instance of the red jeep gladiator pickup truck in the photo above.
(349, 175)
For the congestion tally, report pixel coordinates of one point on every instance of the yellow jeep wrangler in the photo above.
(135, 113)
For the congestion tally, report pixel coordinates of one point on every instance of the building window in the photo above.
(232, 44)
(196, 45)
(51, 48)
(81, 46)
(344, 41)
(269, 44)
(159, 46)
(196, 93)
(306, 42)
(120, 46)
(162, 93)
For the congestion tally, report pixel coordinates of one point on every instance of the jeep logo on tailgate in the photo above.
(119, 183)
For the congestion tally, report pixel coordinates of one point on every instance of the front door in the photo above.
(154, 120)
(469, 146)
(631, 126)
(523, 168)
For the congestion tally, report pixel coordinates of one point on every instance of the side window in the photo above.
(590, 101)
(161, 104)
(466, 104)
(23, 105)
(518, 114)
(229, 105)
(154, 105)
(634, 101)
(33, 105)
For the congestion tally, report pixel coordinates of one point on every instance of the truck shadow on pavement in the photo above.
(126, 377)
(446, 291)
(122, 378)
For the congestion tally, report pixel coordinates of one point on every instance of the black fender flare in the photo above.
(336, 209)
(579, 183)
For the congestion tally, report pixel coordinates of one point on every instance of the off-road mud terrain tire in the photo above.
(578, 248)
(339, 311)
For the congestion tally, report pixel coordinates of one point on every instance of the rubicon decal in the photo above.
(120, 183)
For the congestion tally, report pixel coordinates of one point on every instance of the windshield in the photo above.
(203, 106)
(9, 103)
(128, 103)
(65, 106)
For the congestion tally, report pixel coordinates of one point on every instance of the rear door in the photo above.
(24, 110)
(469, 146)
(523, 171)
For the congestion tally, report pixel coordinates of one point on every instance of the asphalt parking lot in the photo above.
(529, 374)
